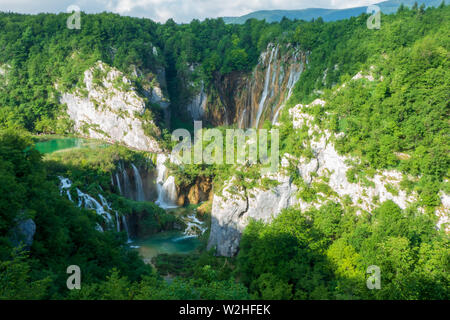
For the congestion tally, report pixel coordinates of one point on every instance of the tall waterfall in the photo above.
(294, 76)
(117, 222)
(266, 88)
(125, 225)
(166, 188)
(118, 183)
(140, 196)
(126, 183)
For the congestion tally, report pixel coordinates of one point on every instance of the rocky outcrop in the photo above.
(109, 108)
(198, 191)
(23, 233)
(231, 212)
(197, 105)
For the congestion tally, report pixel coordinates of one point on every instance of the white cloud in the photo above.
(179, 10)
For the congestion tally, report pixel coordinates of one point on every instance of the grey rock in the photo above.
(23, 233)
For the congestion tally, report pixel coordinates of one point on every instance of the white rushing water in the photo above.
(125, 225)
(117, 222)
(102, 208)
(90, 202)
(294, 76)
(65, 186)
(140, 195)
(192, 224)
(266, 88)
(166, 188)
(126, 183)
(118, 183)
(194, 228)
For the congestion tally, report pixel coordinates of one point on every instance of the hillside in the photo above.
(387, 7)
(362, 181)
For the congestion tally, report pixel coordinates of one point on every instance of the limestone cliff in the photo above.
(108, 107)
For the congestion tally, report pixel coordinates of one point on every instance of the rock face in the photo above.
(249, 99)
(111, 109)
(231, 212)
(197, 106)
(23, 233)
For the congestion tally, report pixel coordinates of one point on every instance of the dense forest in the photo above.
(315, 254)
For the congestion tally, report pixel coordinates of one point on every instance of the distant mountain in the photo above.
(386, 7)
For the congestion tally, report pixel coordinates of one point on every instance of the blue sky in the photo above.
(179, 10)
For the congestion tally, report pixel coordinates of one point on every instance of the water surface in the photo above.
(54, 145)
(58, 144)
(165, 242)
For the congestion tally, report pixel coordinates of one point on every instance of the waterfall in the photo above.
(294, 76)
(66, 184)
(166, 188)
(117, 222)
(118, 183)
(193, 225)
(102, 208)
(266, 88)
(140, 196)
(126, 183)
(125, 225)
(241, 122)
(192, 222)
(90, 203)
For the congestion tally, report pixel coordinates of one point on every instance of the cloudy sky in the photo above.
(179, 10)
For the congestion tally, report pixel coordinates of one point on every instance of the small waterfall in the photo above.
(117, 222)
(192, 222)
(103, 208)
(193, 225)
(126, 183)
(90, 203)
(241, 122)
(140, 196)
(118, 183)
(66, 184)
(166, 188)
(266, 88)
(125, 225)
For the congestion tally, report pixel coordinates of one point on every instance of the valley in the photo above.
(89, 176)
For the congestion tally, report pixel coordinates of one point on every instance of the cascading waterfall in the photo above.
(125, 225)
(294, 76)
(117, 222)
(166, 188)
(193, 228)
(241, 122)
(66, 184)
(126, 183)
(102, 208)
(266, 87)
(90, 203)
(118, 183)
(140, 195)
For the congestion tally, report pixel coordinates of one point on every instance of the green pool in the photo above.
(59, 144)
(54, 145)
(165, 242)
